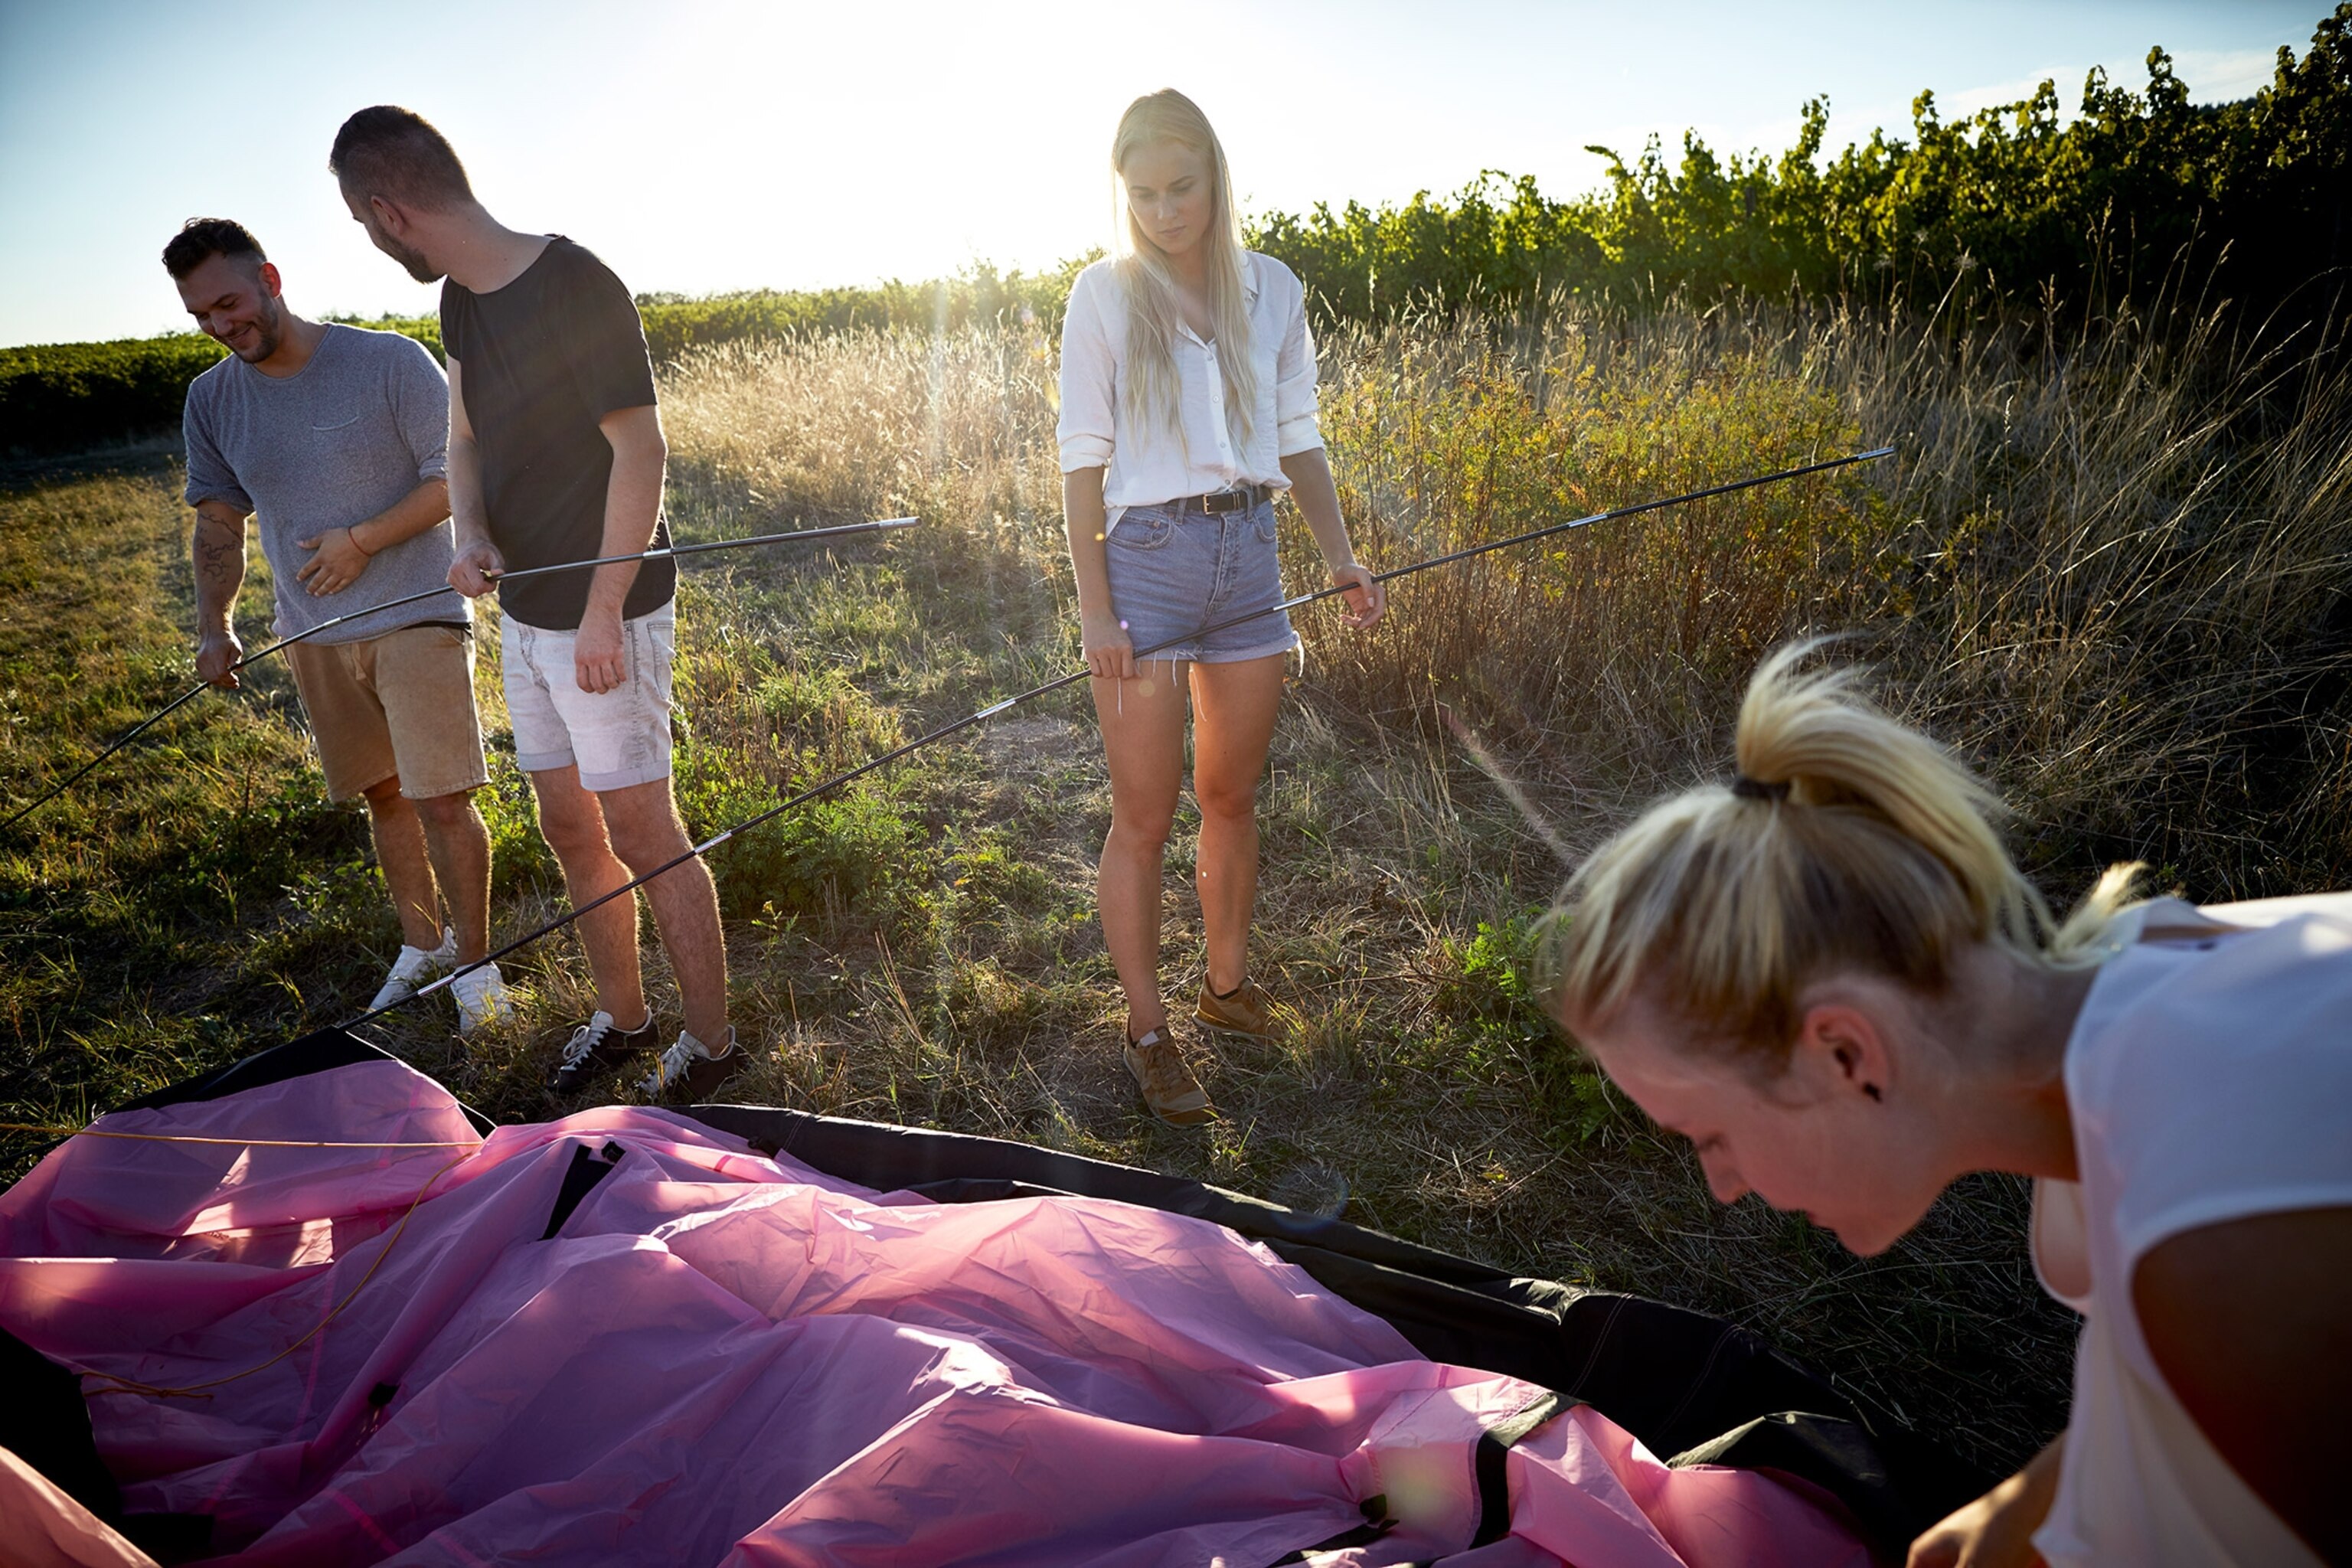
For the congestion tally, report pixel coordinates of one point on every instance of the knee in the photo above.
(573, 835)
(1144, 828)
(443, 812)
(1226, 802)
(384, 796)
(644, 844)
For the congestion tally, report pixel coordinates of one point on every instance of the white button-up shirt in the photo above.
(1151, 465)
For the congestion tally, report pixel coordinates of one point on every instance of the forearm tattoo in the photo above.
(219, 559)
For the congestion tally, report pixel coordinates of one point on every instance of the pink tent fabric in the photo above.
(41, 1527)
(361, 1354)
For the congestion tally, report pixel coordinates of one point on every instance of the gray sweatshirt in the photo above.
(363, 424)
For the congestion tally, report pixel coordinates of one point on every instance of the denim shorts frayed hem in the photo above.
(1182, 655)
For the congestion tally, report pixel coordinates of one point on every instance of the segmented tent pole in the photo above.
(665, 552)
(984, 714)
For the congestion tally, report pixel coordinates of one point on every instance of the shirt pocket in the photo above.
(352, 434)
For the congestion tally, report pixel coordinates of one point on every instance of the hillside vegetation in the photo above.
(73, 397)
(2012, 202)
(2140, 189)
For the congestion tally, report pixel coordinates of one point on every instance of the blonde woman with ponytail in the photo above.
(1188, 403)
(1829, 975)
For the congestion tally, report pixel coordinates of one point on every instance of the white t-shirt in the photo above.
(1153, 464)
(2208, 1078)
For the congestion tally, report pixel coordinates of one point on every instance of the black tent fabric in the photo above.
(1689, 1385)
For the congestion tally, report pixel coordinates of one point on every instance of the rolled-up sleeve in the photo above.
(1090, 379)
(1296, 425)
(420, 401)
(209, 476)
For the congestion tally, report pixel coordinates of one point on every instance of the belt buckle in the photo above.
(1216, 503)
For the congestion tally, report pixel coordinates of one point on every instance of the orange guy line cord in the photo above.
(109, 1383)
(57, 1132)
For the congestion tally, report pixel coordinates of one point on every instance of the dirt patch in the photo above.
(1034, 746)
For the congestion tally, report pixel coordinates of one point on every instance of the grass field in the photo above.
(2111, 569)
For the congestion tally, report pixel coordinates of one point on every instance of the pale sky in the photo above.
(700, 145)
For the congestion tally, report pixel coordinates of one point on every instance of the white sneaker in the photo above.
(691, 1065)
(482, 999)
(414, 967)
(595, 1048)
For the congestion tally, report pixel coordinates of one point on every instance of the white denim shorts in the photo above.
(616, 737)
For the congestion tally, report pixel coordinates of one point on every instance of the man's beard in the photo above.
(408, 256)
(267, 332)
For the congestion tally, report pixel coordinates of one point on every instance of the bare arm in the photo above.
(478, 560)
(341, 555)
(2250, 1323)
(1318, 500)
(217, 551)
(1997, 1529)
(633, 499)
(1110, 651)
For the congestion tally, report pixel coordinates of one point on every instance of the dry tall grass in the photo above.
(957, 428)
(2112, 568)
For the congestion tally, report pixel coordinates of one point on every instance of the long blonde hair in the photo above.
(1849, 842)
(1150, 390)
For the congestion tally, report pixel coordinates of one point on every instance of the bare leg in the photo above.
(407, 874)
(1143, 739)
(459, 843)
(1233, 709)
(573, 826)
(646, 833)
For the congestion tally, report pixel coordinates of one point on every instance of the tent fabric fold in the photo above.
(633, 1335)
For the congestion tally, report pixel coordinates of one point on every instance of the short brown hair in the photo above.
(394, 153)
(201, 238)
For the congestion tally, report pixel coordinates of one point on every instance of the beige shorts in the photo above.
(402, 704)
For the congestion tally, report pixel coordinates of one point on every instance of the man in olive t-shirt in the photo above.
(555, 455)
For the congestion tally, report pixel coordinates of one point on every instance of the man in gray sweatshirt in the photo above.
(336, 438)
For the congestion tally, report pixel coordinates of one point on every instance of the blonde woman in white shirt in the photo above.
(1188, 402)
(1830, 977)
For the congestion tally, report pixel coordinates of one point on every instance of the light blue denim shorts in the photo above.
(1176, 569)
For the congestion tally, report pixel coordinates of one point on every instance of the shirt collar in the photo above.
(1249, 292)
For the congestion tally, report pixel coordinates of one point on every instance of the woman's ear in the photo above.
(1840, 1049)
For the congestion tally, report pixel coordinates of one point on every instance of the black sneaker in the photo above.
(686, 1070)
(596, 1047)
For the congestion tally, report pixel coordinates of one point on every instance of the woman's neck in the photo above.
(2008, 1021)
(1190, 269)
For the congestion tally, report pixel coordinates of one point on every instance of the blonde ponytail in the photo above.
(1849, 842)
(1150, 388)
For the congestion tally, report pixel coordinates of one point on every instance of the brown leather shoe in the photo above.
(1249, 1011)
(1169, 1087)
